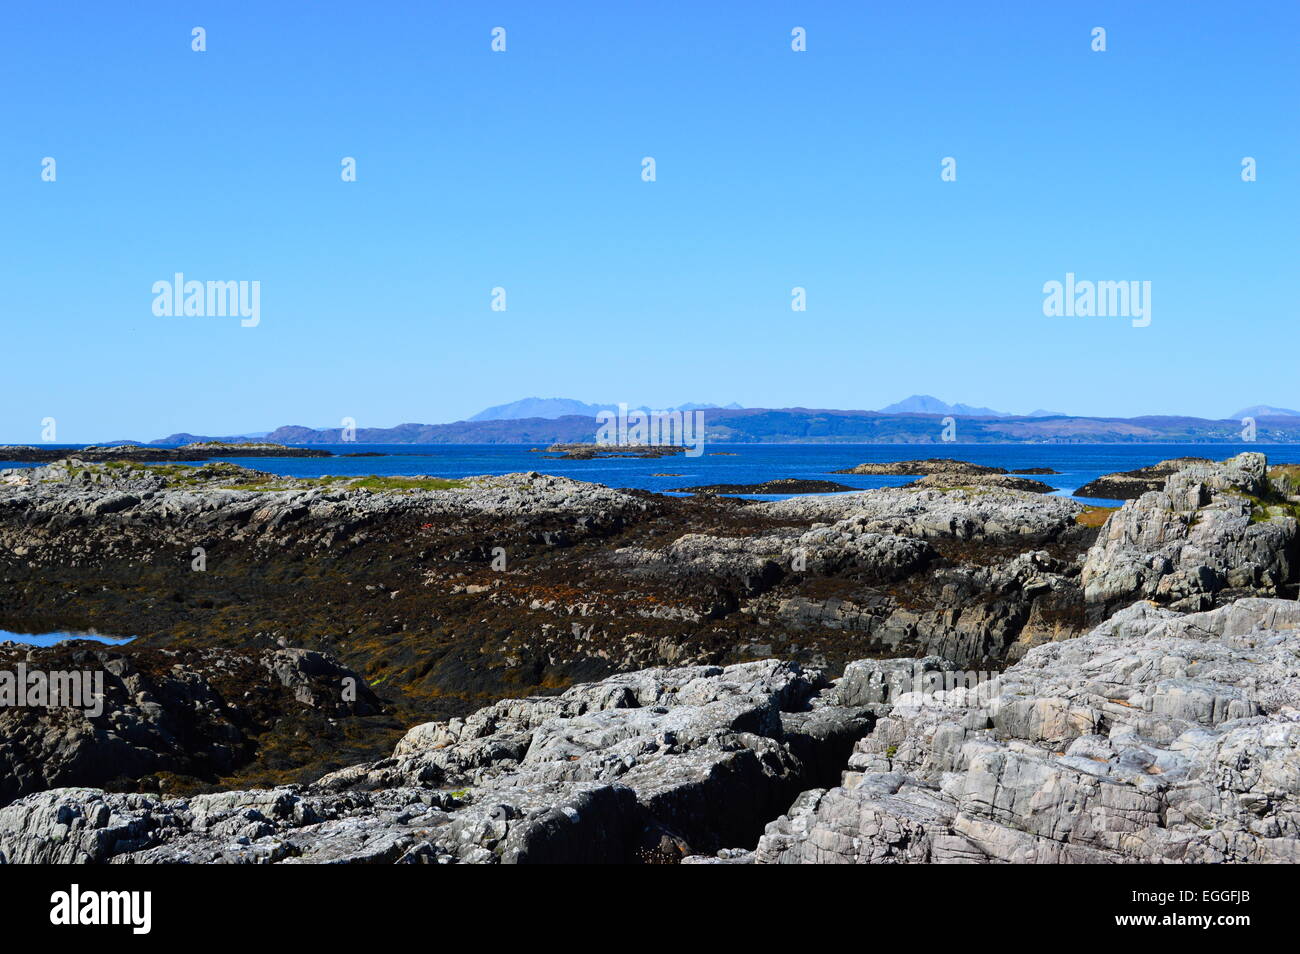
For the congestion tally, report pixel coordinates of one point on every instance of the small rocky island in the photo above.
(599, 451)
(143, 453)
(528, 668)
(938, 472)
(940, 466)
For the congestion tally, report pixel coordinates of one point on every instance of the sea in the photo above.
(723, 463)
(62, 636)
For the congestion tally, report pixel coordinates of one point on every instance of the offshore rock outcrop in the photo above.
(945, 466)
(599, 451)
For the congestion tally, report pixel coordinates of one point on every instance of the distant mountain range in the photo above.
(927, 404)
(537, 419)
(810, 425)
(551, 408)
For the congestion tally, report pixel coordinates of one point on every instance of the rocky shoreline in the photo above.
(781, 485)
(1005, 481)
(602, 675)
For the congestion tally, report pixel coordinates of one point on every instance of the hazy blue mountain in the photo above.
(1265, 410)
(551, 408)
(928, 404)
(536, 407)
(1041, 413)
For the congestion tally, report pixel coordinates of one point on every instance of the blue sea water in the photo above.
(51, 639)
(754, 463)
(748, 463)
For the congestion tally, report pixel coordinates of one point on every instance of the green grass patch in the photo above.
(408, 483)
(1286, 477)
(1272, 505)
(1093, 516)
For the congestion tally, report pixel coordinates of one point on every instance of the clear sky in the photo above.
(522, 169)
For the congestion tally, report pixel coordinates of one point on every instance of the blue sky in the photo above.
(523, 170)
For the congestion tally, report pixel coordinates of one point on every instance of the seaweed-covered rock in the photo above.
(189, 712)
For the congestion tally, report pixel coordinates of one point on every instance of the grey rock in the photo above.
(42, 503)
(1157, 737)
(1196, 542)
(984, 514)
(931, 466)
(652, 765)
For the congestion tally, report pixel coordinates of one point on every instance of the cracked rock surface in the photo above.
(1157, 737)
(645, 766)
(1204, 538)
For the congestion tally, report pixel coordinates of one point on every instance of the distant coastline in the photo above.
(818, 426)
